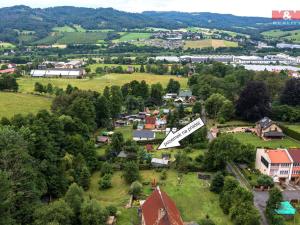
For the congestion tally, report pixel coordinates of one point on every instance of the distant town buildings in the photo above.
(284, 45)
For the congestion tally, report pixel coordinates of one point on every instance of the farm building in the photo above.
(142, 135)
(58, 73)
(266, 128)
(102, 139)
(160, 209)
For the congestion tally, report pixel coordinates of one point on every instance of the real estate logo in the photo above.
(286, 17)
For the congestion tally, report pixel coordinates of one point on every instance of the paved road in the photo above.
(260, 198)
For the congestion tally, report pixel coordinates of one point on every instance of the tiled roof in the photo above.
(278, 156)
(295, 154)
(150, 120)
(159, 209)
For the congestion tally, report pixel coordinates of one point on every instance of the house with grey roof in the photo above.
(143, 135)
(268, 129)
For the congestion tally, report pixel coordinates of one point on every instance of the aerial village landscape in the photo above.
(109, 117)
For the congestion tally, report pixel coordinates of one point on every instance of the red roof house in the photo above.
(150, 122)
(159, 209)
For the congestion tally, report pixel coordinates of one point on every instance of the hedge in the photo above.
(289, 132)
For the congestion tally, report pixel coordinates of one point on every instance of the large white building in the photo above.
(58, 73)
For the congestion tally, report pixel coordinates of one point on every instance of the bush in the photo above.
(217, 183)
(105, 182)
(111, 210)
(264, 180)
(163, 175)
(136, 188)
(106, 168)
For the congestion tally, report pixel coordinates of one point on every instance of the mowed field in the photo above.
(73, 38)
(293, 35)
(6, 45)
(133, 37)
(15, 103)
(98, 83)
(209, 43)
(247, 138)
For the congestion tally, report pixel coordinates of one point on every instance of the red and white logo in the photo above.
(286, 15)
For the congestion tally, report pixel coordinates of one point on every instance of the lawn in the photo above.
(64, 29)
(295, 127)
(247, 138)
(293, 35)
(72, 38)
(99, 83)
(192, 196)
(207, 43)
(133, 36)
(14, 103)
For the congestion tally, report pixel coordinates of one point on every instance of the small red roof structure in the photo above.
(150, 120)
(149, 147)
(159, 209)
(102, 139)
(9, 71)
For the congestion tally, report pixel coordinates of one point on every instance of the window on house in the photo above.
(264, 161)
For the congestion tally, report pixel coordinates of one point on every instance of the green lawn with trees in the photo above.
(99, 83)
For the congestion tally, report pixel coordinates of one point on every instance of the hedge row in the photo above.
(289, 132)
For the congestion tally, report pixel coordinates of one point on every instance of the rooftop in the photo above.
(278, 156)
(295, 154)
(286, 209)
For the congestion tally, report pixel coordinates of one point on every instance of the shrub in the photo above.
(163, 175)
(105, 182)
(136, 188)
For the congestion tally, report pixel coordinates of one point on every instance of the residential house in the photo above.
(170, 96)
(161, 123)
(268, 129)
(295, 155)
(150, 122)
(155, 162)
(121, 123)
(276, 163)
(142, 135)
(102, 140)
(185, 94)
(159, 209)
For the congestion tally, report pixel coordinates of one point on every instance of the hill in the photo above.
(38, 23)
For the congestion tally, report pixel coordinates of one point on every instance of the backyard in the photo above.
(192, 196)
(248, 138)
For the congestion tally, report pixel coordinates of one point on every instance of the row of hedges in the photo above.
(289, 132)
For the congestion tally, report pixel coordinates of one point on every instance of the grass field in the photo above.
(72, 38)
(133, 37)
(206, 43)
(293, 35)
(93, 67)
(6, 45)
(64, 29)
(247, 138)
(14, 103)
(295, 127)
(99, 83)
(192, 196)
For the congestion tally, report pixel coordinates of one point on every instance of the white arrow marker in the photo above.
(172, 140)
